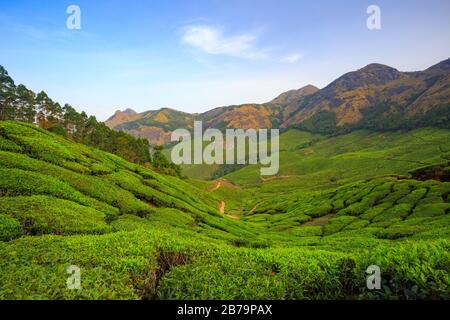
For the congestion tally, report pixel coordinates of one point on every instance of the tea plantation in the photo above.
(339, 205)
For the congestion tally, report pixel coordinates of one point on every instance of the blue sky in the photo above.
(197, 55)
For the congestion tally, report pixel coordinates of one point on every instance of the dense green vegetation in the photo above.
(311, 161)
(354, 201)
(162, 163)
(20, 104)
(377, 118)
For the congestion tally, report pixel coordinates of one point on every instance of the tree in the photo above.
(162, 164)
(55, 113)
(71, 119)
(48, 113)
(20, 104)
(25, 108)
(42, 102)
(7, 95)
(81, 126)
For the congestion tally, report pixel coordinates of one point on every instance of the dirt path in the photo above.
(276, 178)
(222, 207)
(221, 183)
(253, 209)
(222, 211)
(217, 186)
(222, 203)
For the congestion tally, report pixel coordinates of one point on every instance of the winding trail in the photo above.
(222, 203)
(253, 209)
(222, 207)
(217, 186)
(276, 178)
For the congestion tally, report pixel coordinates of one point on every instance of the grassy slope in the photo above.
(312, 161)
(65, 204)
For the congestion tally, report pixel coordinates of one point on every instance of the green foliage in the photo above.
(9, 228)
(8, 145)
(21, 104)
(139, 234)
(320, 122)
(339, 160)
(412, 271)
(49, 215)
(161, 164)
(226, 169)
(375, 118)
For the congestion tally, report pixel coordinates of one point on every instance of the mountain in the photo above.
(438, 92)
(121, 117)
(245, 116)
(374, 97)
(157, 125)
(294, 95)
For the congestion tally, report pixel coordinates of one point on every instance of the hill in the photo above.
(294, 95)
(314, 161)
(18, 103)
(156, 126)
(121, 117)
(137, 234)
(376, 97)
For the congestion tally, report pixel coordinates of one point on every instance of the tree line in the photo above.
(18, 103)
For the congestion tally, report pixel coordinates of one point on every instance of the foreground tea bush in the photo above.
(123, 264)
(43, 215)
(137, 234)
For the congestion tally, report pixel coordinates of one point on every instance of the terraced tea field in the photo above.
(339, 205)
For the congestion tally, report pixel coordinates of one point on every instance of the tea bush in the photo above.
(345, 203)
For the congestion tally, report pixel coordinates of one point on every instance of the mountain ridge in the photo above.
(376, 96)
(376, 88)
(156, 125)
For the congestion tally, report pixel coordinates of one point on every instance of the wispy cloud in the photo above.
(292, 58)
(35, 33)
(213, 41)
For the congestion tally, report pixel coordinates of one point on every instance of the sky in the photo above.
(197, 55)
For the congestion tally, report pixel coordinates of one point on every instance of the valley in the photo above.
(363, 181)
(137, 234)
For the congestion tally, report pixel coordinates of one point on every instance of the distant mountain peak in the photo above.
(120, 117)
(374, 93)
(376, 67)
(443, 66)
(372, 74)
(295, 94)
(374, 96)
(129, 111)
